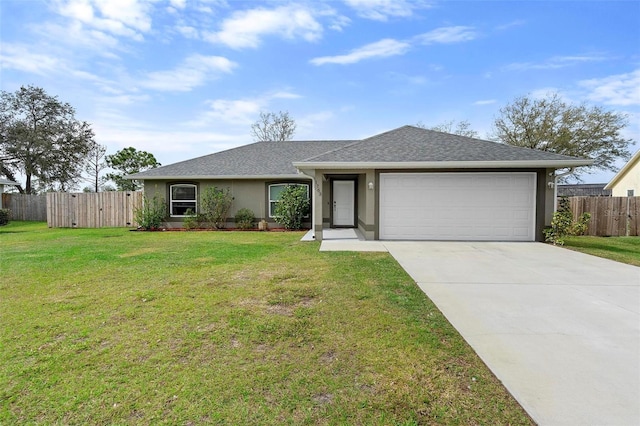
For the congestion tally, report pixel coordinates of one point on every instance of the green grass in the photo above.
(621, 249)
(107, 326)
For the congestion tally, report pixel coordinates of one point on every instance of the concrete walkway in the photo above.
(560, 329)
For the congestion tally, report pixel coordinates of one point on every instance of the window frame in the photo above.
(172, 201)
(271, 202)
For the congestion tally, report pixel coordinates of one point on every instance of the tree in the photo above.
(462, 128)
(273, 127)
(94, 165)
(128, 161)
(41, 139)
(550, 124)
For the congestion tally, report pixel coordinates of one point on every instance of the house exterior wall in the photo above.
(630, 180)
(247, 193)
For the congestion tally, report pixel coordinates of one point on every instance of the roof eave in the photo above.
(216, 177)
(341, 165)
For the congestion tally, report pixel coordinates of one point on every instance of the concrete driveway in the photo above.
(560, 329)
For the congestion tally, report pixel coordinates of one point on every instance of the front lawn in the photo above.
(621, 249)
(104, 326)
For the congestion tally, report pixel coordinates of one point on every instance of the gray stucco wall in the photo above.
(247, 193)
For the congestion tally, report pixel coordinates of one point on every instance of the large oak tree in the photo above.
(550, 124)
(41, 139)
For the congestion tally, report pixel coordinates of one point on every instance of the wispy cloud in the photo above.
(129, 18)
(239, 111)
(485, 102)
(22, 58)
(391, 47)
(555, 62)
(380, 49)
(245, 29)
(193, 72)
(382, 10)
(447, 35)
(620, 89)
(512, 24)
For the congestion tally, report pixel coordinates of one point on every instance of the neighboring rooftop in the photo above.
(584, 190)
(7, 182)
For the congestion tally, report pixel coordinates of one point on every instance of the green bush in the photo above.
(152, 213)
(292, 207)
(5, 215)
(190, 220)
(563, 225)
(245, 218)
(215, 206)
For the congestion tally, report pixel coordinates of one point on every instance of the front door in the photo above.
(343, 203)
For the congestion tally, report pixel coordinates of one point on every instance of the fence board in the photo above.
(92, 210)
(610, 216)
(26, 207)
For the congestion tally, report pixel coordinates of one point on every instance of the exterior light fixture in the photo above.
(370, 185)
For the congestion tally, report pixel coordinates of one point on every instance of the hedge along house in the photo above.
(404, 184)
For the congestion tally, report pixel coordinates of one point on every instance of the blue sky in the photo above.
(185, 78)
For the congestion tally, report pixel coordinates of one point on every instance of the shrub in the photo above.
(292, 207)
(245, 219)
(5, 215)
(151, 214)
(215, 206)
(563, 225)
(190, 220)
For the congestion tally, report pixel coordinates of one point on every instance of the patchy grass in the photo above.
(108, 326)
(621, 249)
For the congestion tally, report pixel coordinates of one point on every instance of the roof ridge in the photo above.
(331, 151)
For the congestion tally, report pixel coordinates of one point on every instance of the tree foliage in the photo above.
(550, 124)
(128, 161)
(273, 127)
(41, 139)
(95, 164)
(462, 128)
(215, 206)
(292, 206)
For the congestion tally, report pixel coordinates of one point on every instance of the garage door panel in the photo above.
(457, 206)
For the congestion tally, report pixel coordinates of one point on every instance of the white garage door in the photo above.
(457, 206)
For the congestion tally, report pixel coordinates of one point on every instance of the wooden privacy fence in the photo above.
(92, 210)
(610, 216)
(26, 207)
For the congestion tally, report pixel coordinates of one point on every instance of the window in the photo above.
(183, 197)
(275, 191)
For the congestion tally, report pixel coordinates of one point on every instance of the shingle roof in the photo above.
(7, 182)
(408, 144)
(414, 144)
(256, 159)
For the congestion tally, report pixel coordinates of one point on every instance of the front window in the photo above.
(275, 192)
(183, 198)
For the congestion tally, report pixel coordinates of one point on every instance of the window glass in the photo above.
(183, 198)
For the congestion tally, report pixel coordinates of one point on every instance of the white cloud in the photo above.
(127, 18)
(620, 89)
(446, 35)
(245, 28)
(381, 10)
(239, 111)
(23, 58)
(555, 62)
(512, 24)
(485, 102)
(380, 49)
(193, 72)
